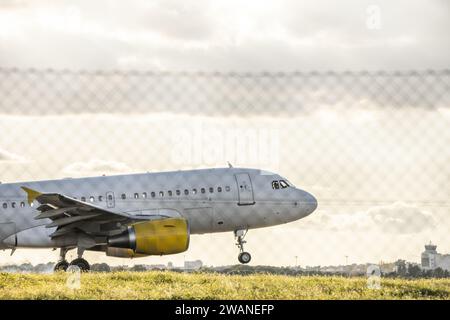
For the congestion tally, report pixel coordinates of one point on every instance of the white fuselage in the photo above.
(212, 200)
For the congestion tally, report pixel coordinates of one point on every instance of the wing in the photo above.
(70, 215)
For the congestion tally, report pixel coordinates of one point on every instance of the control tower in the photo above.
(431, 259)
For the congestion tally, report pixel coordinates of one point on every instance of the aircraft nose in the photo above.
(309, 203)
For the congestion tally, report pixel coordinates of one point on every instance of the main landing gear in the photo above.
(244, 257)
(63, 265)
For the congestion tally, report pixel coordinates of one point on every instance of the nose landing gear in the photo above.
(244, 257)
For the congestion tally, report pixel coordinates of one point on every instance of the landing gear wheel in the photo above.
(244, 257)
(61, 266)
(82, 264)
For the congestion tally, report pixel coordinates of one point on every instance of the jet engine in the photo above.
(156, 237)
(122, 253)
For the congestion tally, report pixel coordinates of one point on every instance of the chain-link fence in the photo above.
(371, 146)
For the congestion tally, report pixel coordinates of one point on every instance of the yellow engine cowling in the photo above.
(123, 253)
(156, 237)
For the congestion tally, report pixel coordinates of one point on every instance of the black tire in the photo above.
(82, 264)
(244, 257)
(61, 266)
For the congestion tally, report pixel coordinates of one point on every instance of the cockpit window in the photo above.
(290, 183)
(281, 184)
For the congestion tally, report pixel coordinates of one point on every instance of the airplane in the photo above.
(146, 214)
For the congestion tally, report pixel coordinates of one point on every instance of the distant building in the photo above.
(431, 259)
(387, 267)
(156, 267)
(193, 265)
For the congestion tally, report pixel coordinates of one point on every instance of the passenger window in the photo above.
(83, 199)
(227, 188)
(136, 195)
(22, 204)
(211, 190)
(153, 194)
(5, 205)
(110, 197)
(124, 196)
(186, 191)
(161, 193)
(178, 192)
(169, 193)
(100, 198)
(144, 195)
(194, 191)
(203, 190)
(219, 189)
(91, 199)
(13, 205)
(275, 185)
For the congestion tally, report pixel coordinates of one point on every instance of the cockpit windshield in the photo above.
(280, 184)
(283, 184)
(290, 183)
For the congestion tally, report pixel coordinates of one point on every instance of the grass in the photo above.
(170, 285)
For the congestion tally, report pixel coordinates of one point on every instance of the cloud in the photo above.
(173, 19)
(95, 166)
(9, 4)
(397, 218)
(6, 156)
(212, 94)
(225, 35)
(401, 218)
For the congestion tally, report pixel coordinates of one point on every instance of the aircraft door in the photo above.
(245, 189)
(110, 201)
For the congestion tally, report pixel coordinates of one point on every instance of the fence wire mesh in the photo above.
(371, 146)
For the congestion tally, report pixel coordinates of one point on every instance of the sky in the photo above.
(370, 147)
